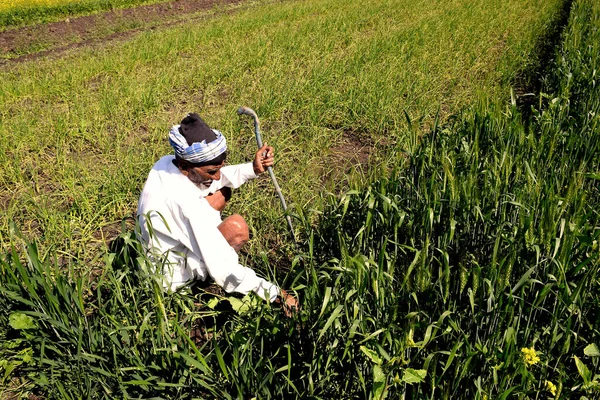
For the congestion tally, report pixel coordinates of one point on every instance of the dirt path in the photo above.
(31, 42)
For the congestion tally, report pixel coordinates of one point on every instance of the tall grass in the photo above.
(485, 244)
(116, 338)
(426, 283)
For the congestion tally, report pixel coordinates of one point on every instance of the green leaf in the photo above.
(523, 279)
(194, 363)
(378, 383)
(240, 306)
(332, 318)
(457, 346)
(8, 367)
(212, 303)
(592, 350)
(372, 354)
(27, 356)
(372, 335)
(19, 320)
(592, 176)
(507, 393)
(221, 361)
(325, 300)
(585, 373)
(411, 376)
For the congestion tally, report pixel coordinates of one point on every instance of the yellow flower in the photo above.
(22, 4)
(551, 387)
(530, 356)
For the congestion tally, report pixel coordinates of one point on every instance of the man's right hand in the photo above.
(263, 159)
(289, 303)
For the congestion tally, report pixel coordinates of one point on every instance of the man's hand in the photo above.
(289, 303)
(264, 158)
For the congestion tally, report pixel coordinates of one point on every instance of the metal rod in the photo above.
(250, 112)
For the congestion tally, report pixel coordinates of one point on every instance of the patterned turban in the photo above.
(185, 140)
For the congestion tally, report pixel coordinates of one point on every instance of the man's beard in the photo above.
(197, 180)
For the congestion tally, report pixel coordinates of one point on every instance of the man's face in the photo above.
(203, 176)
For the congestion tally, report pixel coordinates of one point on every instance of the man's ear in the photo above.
(180, 166)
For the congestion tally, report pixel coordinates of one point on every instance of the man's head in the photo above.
(201, 174)
(200, 151)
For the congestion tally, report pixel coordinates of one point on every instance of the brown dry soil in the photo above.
(52, 39)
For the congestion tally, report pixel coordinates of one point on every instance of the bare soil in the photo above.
(31, 42)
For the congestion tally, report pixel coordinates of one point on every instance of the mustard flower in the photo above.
(551, 387)
(530, 356)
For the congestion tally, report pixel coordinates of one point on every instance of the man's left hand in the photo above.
(264, 158)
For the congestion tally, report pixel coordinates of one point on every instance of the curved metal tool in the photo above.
(250, 112)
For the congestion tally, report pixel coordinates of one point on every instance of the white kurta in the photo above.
(183, 230)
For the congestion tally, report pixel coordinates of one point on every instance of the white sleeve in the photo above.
(234, 176)
(221, 260)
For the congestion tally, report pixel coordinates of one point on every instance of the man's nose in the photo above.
(217, 175)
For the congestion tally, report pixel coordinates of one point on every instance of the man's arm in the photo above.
(234, 176)
(220, 259)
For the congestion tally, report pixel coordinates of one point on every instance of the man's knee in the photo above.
(235, 230)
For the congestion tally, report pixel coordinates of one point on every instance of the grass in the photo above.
(14, 13)
(467, 269)
(80, 133)
(106, 27)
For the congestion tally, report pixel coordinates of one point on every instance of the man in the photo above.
(180, 213)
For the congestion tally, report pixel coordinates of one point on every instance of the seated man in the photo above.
(180, 212)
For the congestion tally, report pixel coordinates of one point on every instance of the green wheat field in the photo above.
(441, 160)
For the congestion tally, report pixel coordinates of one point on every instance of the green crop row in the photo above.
(25, 13)
(469, 271)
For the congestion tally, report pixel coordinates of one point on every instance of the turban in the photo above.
(198, 151)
